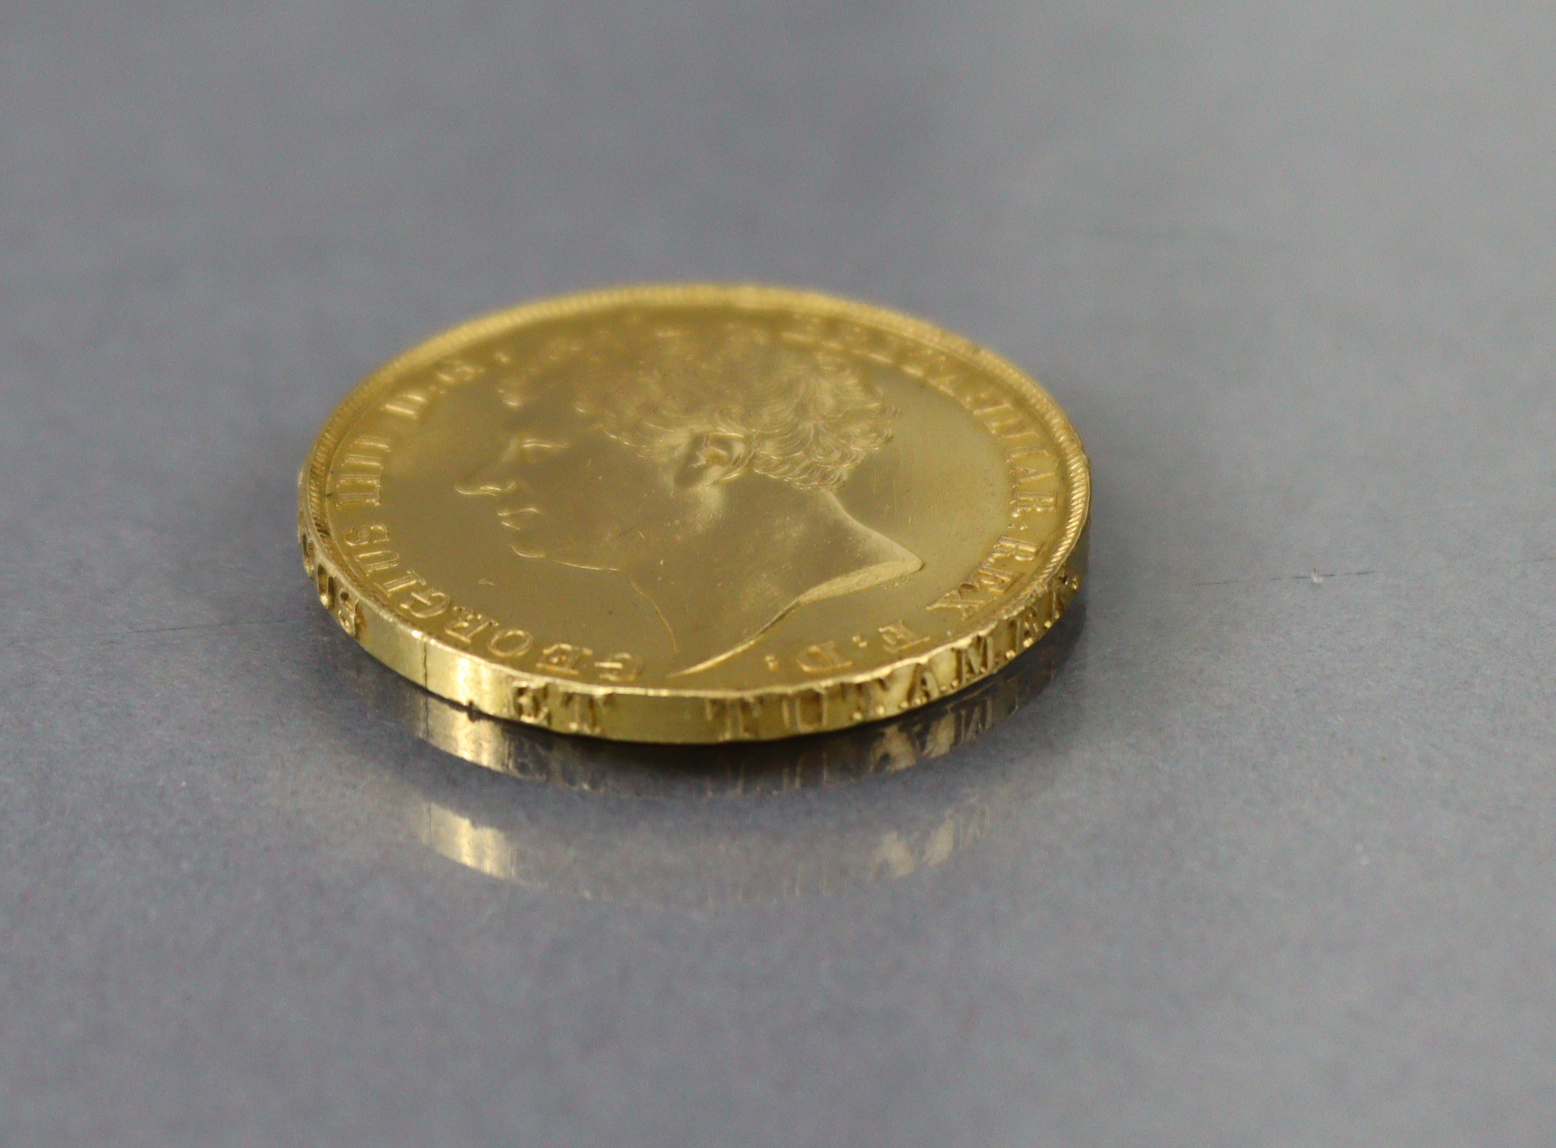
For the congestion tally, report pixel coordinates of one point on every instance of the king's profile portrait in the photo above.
(702, 463)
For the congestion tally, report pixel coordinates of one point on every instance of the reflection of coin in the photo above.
(820, 761)
(589, 832)
(696, 514)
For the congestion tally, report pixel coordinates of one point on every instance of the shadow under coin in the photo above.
(633, 823)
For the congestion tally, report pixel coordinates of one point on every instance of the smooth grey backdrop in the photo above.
(1274, 856)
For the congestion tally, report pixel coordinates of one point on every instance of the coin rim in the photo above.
(328, 568)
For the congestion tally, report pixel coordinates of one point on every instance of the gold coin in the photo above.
(641, 847)
(695, 513)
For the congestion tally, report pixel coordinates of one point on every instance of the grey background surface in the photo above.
(1269, 863)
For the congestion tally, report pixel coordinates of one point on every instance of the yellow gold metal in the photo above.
(658, 773)
(637, 844)
(695, 514)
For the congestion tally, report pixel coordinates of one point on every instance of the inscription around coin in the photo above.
(690, 459)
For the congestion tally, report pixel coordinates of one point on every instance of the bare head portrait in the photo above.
(703, 464)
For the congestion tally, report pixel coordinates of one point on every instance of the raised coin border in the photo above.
(669, 715)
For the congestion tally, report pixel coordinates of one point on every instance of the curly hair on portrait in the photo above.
(809, 415)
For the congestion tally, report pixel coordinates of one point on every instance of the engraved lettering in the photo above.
(563, 658)
(998, 414)
(876, 694)
(806, 711)
(821, 658)
(1016, 549)
(456, 371)
(359, 482)
(619, 667)
(373, 561)
(1033, 464)
(924, 688)
(974, 660)
(466, 625)
(859, 692)
(510, 643)
(339, 601)
(988, 577)
(532, 703)
(896, 637)
(1024, 502)
(935, 367)
(581, 713)
(375, 534)
(851, 337)
(986, 403)
(347, 612)
(403, 582)
(408, 404)
(1012, 630)
(1030, 628)
(961, 600)
(734, 717)
(879, 346)
(426, 604)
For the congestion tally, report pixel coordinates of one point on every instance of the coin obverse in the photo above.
(695, 513)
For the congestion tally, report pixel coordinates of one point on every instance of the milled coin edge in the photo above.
(677, 715)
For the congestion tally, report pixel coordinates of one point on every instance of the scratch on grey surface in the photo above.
(1319, 577)
(1315, 576)
(90, 641)
(112, 635)
(1175, 237)
(230, 625)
